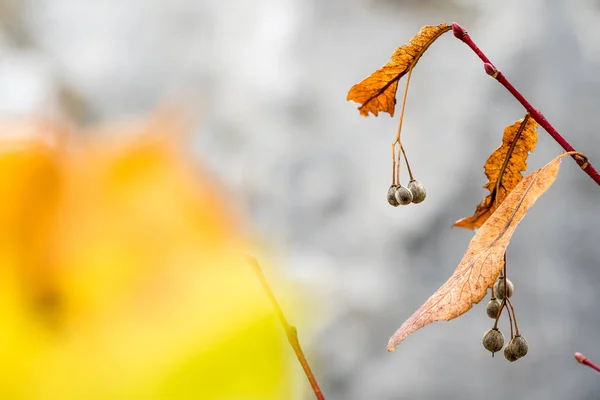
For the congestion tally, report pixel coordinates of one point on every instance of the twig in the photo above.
(491, 70)
(581, 359)
(290, 330)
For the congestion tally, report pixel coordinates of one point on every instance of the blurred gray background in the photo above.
(268, 80)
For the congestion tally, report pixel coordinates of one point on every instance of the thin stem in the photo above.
(510, 309)
(504, 269)
(403, 106)
(396, 157)
(407, 164)
(491, 70)
(394, 175)
(398, 164)
(290, 330)
(510, 319)
(514, 317)
(581, 359)
(502, 305)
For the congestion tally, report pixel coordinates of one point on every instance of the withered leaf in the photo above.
(378, 91)
(484, 258)
(503, 169)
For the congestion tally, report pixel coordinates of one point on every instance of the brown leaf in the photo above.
(378, 91)
(504, 168)
(481, 263)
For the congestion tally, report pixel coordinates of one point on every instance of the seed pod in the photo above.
(500, 286)
(492, 308)
(510, 353)
(516, 348)
(417, 190)
(493, 340)
(391, 196)
(521, 346)
(403, 196)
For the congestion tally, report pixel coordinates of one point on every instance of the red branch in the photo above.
(290, 330)
(581, 359)
(491, 70)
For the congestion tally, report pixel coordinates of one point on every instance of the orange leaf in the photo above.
(484, 258)
(503, 169)
(378, 91)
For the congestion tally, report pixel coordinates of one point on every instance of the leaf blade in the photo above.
(377, 92)
(483, 259)
(503, 169)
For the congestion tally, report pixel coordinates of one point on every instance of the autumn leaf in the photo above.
(484, 258)
(378, 91)
(503, 169)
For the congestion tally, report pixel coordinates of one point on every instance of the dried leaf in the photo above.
(504, 168)
(378, 91)
(483, 260)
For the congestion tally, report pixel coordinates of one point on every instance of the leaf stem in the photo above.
(514, 317)
(290, 330)
(510, 319)
(509, 307)
(581, 359)
(491, 70)
(397, 162)
(403, 106)
(395, 176)
(502, 305)
(407, 164)
(396, 158)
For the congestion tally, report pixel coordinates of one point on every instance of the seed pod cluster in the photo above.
(400, 195)
(493, 340)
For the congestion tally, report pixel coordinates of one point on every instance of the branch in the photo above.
(290, 330)
(491, 70)
(581, 359)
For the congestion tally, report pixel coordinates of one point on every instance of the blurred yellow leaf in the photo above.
(123, 277)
